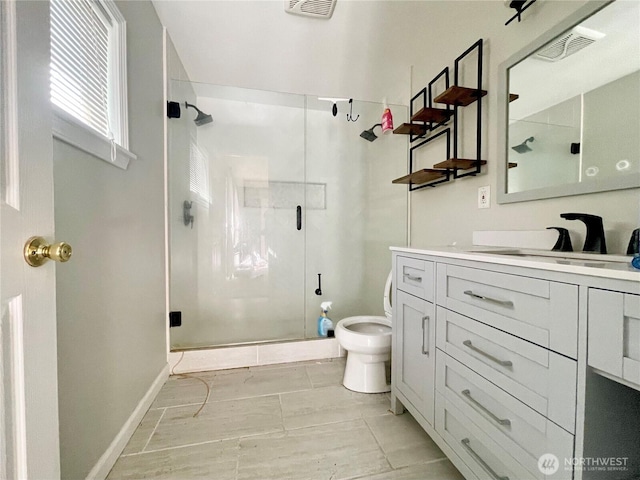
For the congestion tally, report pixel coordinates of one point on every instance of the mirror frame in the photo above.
(605, 184)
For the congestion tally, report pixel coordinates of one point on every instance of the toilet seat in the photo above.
(387, 296)
(367, 325)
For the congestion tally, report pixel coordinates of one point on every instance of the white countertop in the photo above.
(589, 264)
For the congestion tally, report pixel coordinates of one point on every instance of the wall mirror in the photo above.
(569, 107)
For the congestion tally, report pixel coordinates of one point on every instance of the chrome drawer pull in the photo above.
(424, 320)
(465, 443)
(505, 303)
(413, 278)
(501, 421)
(502, 363)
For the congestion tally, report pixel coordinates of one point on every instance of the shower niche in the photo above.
(281, 191)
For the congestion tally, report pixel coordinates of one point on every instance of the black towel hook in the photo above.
(350, 114)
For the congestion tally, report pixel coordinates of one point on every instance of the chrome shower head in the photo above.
(523, 147)
(369, 135)
(202, 118)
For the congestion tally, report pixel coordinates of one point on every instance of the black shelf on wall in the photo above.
(430, 118)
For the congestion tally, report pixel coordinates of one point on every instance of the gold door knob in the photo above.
(37, 251)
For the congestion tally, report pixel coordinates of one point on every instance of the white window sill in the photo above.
(68, 129)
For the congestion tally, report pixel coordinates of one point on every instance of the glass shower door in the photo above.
(237, 269)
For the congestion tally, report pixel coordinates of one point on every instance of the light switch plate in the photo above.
(484, 197)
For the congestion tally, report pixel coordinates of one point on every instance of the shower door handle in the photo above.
(299, 217)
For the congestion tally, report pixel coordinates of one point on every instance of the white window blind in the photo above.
(80, 62)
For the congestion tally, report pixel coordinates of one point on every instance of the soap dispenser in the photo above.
(324, 323)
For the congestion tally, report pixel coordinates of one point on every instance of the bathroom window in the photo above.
(89, 78)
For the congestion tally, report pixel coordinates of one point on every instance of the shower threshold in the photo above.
(253, 354)
(240, 344)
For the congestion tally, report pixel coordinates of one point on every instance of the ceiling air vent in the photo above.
(568, 44)
(310, 8)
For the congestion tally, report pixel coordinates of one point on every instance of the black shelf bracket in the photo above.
(453, 98)
(475, 47)
(447, 173)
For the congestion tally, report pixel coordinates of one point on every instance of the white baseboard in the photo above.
(108, 459)
(253, 355)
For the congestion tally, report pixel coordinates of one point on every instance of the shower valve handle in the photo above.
(319, 289)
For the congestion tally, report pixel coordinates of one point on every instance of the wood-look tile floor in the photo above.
(282, 422)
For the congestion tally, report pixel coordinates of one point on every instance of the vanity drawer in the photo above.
(543, 312)
(614, 334)
(523, 433)
(540, 378)
(484, 457)
(416, 277)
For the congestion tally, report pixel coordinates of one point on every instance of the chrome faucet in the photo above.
(594, 242)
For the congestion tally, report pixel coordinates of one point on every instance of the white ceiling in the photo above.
(363, 52)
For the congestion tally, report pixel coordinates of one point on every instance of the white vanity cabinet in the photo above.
(490, 357)
(614, 334)
(540, 311)
(414, 346)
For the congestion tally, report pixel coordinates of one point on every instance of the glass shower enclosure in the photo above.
(273, 192)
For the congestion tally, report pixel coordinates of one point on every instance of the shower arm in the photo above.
(188, 105)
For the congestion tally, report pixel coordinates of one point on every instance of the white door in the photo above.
(29, 445)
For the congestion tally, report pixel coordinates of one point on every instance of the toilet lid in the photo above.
(387, 296)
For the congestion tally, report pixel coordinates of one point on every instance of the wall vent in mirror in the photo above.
(574, 41)
(310, 8)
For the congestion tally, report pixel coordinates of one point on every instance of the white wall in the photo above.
(110, 296)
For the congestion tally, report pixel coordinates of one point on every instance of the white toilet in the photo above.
(367, 340)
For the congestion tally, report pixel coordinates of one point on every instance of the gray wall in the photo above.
(111, 325)
(375, 63)
(611, 126)
(449, 213)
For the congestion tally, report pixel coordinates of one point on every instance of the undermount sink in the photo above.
(568, 257)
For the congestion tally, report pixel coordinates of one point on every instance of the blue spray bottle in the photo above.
(324, 323)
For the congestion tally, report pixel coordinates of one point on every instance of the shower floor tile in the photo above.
(280, 422)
